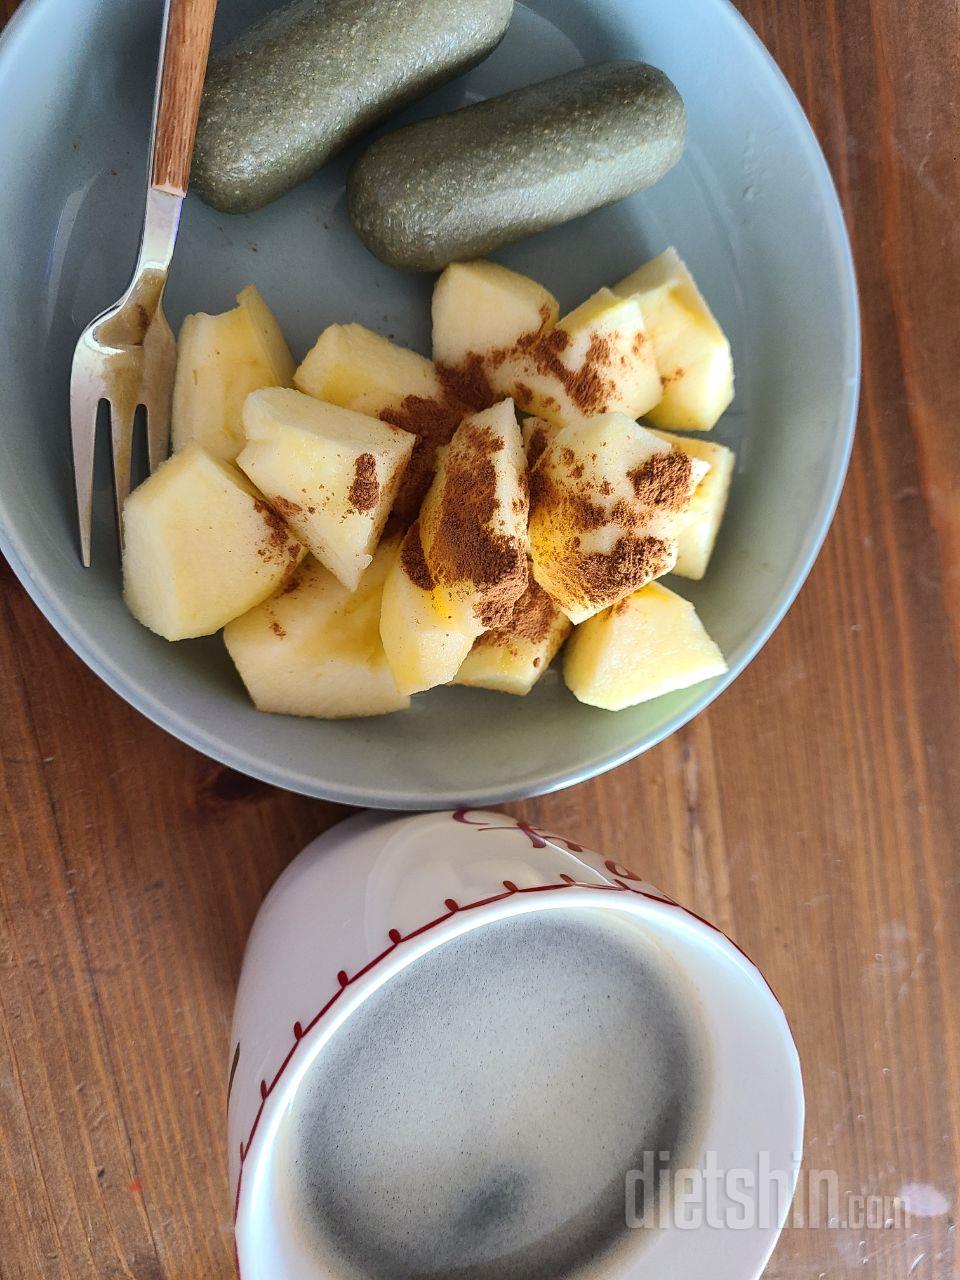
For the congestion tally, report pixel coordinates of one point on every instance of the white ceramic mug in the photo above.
(375, 893)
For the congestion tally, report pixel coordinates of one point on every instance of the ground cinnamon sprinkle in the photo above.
(534, 617)
(412, 559)
(634, 561)
(538, 441)
(285, 507)
(279, 542)
(465, 547)
(468, 381)
(553, 340)
(433, 422)
(365, 490)
(497, 356)
(589, 389)
(587, 386)
(624, 515)
(590, 385)
(663, 480)
(569, 508)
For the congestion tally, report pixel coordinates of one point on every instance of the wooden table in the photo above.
(813, 811)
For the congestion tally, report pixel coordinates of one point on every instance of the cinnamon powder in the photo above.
(285, 508)
(468, 382)
(663, 480)
(467, 547)
(586, 385)
(633, 561)
(433, 422)
(413, 561)
(568, 505)
(365, 489)
(538, 441)
(589, 386)
(534, 617)
(278, 542)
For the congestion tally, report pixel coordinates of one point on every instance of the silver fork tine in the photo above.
(84, 403)
(121, 442)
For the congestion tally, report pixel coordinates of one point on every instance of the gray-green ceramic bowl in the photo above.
(751, 207)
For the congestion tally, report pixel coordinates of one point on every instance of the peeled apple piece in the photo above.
(220, 360)
(597, 359)
(709, 502)
(358, 369)
(649, 644)
(479, 306)
(692, 352)
(512, 658)
(331, 473)
(201, 546)
(314, 649)
(608, 500)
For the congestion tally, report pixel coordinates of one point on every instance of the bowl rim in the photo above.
(40, 590)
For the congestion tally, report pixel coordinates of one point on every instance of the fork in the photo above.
(126, 356)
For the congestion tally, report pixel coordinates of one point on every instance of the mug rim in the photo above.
(639, 899)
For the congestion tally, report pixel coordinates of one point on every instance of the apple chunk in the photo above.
(201, 546)
(220, 360)
(649, 644)
(272, 342)
(463, 564)
(596, 360)
(358, 369)
(512, 658)
(330, 472)
(314, 649)
(479, 307)
(424, 644)
(696, 542)
(473, 523)
(692, 351)
(608, 501)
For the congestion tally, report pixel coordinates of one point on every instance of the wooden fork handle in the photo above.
(183, 64)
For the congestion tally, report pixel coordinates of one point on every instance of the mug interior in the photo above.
(749, 1103)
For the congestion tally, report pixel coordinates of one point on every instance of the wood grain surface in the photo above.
(813, 811)
(189, 26)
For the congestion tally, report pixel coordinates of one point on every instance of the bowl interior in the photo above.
(751, 207)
